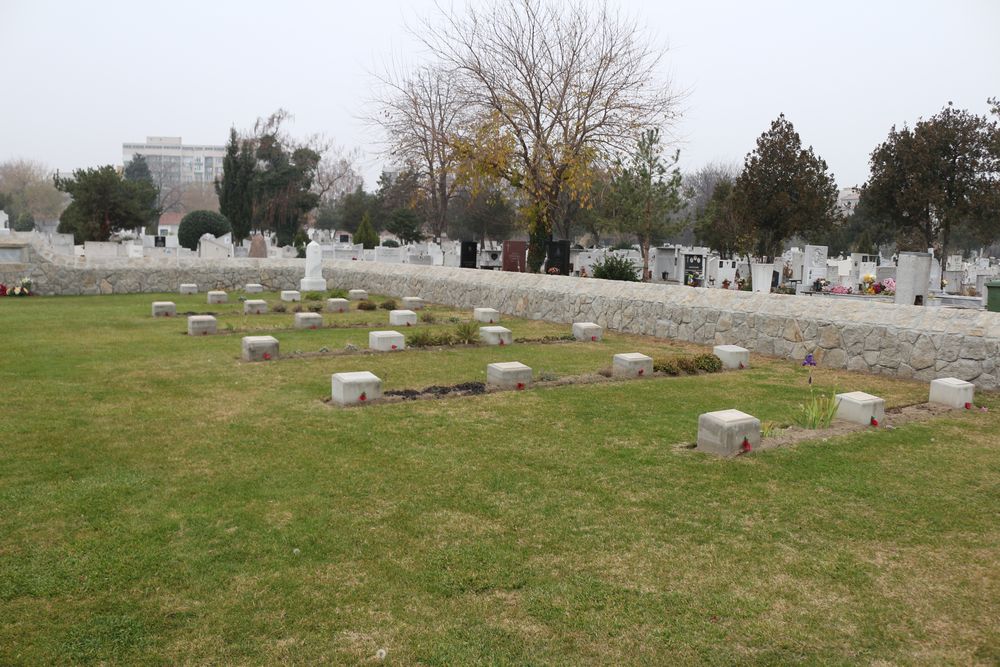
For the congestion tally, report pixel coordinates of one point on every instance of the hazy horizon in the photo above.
(89, 78)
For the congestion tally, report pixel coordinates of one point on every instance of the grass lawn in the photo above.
(163, 502)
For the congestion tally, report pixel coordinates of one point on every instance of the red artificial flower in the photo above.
(267, 356)
(874, 422)
(520, 385)
(363, 397)
(593, 339)
(394, 347)
(968, 406)
(746, 445)
(642, 371)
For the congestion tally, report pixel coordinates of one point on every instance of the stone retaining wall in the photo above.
(906, 341)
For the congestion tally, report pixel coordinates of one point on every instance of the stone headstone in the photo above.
(357, 387)
(860, 408)
(727, 433)
(258, 247)
(314, 281)
(913, 273)
(632, 364)
(508, 374)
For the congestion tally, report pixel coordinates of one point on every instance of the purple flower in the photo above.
(809, 360)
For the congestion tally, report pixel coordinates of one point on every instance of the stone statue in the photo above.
(258, 247)
(313, 282)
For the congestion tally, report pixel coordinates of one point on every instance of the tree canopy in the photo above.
(783, 190)
(103, 202)
(939, 177)
(550, 89)
(645, 192)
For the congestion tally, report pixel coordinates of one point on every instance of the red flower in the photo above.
(501, 341)
(267, 356)
(394, 347)
(363, 396)
(746, 445)
(968, 406)
(593, 339)
(313, 326)
(874, 422)
(520, 385)
(642, 371)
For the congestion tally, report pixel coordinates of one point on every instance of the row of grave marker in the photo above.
(732, 432)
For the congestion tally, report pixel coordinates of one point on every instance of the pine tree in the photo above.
(366, 234)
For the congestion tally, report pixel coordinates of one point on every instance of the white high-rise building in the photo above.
(173, 164)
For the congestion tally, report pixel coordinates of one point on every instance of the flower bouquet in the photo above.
(21, 288)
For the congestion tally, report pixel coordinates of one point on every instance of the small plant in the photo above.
(708, 363)
(818, 411)
(279, 308)
(605, 372)
(388, 304)
(546, 376)
(315, 308)
(313, 296)
(298, 309)
(687, 365)
(767, 429)
(337, 294)
(467, 332)
(367, 305)
(668, 366)
(454, 320)
(421, 338)
(428, 317)
(615, 267)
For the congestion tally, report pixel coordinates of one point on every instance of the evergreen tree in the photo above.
(783, 190)
(406, 225)
(645, 193)
(366, 234)
(236, 188)
(137, 171)
(104, 202)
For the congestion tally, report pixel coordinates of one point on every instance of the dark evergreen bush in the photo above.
(198, 223)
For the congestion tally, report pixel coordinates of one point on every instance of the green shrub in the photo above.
(313, 296)
(615, 267)
(428, 317)
(467, 332)
(279, 308)
(708, 363)
(367, 305)
(687, 365)
(337, 294)
(668, 366)
(389, 304)
(818, 411)
(426, 338)
(390, 243)
(196, 224)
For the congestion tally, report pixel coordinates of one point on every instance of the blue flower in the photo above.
(809, 360)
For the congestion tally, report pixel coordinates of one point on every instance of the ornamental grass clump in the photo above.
(467, 332)
(367, 305)
(388, 304)
(818, 411)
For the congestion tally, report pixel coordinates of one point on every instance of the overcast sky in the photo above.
(80, 78)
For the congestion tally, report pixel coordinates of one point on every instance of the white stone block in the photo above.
(308, 320)
(732, 356)
(386, 341)
(164, 309)
(413, 302)
(860, 408)
(260, 348)
(201, 325)
(312, 285)
(357, 387)
(496, 335)
(632, 364)
(254, 307)
(217, 296)
(587, 331)
(337, 305)
(508, 374)
(488, 315)
(291, 295)
(189, 288)
(727, 432)
(253, 288)
(402, 318)
(952, 392)
(357, 295)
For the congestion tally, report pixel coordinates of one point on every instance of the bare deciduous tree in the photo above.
(421, 114)
(562, 85)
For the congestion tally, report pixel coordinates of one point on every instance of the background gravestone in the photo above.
(258, 247)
